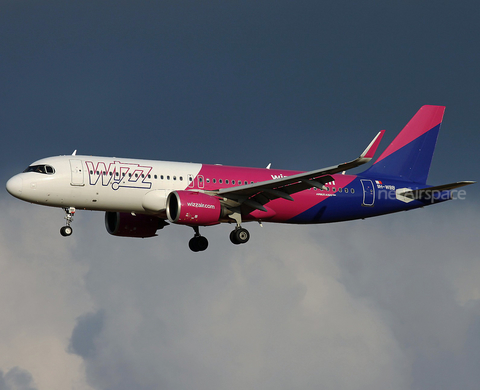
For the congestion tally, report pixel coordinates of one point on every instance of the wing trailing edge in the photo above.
(258, 194)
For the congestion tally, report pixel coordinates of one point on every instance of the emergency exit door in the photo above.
(368, 192)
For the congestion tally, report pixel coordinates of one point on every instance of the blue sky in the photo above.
(300, 84)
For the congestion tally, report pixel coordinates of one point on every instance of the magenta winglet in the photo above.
(372, 148)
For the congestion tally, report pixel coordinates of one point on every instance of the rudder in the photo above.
(410, 154)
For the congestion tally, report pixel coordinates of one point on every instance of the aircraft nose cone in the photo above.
(15, 186)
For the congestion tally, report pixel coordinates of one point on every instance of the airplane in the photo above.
(139, 197)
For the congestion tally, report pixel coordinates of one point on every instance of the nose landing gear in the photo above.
(67, 230)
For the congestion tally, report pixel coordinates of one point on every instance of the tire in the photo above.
(198, 244)
(241, 235)
(233, 237)
(66, 231)
(202, 243)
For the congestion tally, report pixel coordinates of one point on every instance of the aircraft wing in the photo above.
(257, 194)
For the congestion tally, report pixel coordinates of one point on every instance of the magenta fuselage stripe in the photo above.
(279, 210)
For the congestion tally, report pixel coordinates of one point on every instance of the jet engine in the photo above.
(128, 225)
(193, 208)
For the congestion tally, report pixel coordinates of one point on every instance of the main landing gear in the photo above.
(198, 243)
(239, 235)
(67, 230)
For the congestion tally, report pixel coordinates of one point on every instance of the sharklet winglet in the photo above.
(372, 147)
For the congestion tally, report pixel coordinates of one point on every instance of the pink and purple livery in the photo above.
(140, 196)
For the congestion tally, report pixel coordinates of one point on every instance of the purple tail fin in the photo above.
(410, 154)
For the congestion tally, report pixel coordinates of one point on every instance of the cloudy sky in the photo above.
(392, 302)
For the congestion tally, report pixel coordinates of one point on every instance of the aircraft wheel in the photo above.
(198, 244)
(239, 236)
(233, 238)
(66, 231)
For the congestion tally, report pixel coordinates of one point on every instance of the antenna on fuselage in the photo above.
(74, 152)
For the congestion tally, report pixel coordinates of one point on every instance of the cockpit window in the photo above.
(45, 169)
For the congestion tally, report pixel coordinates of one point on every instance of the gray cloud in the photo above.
(42, 292)
(16, 379)
(86, 330)
(365, 304)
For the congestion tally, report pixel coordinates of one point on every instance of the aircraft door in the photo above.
(201, 183)
(368, 192)
(76, 169)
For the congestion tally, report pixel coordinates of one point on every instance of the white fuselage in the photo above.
(103, 183)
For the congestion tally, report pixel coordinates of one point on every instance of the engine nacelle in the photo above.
(193, 208)
(128, 225)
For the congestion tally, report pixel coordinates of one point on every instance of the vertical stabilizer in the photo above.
(410, 154)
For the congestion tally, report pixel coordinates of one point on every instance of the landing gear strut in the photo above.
(67, 230)
(198, 243)
(239, 235)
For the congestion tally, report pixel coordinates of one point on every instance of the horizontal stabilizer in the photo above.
(430, 192)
